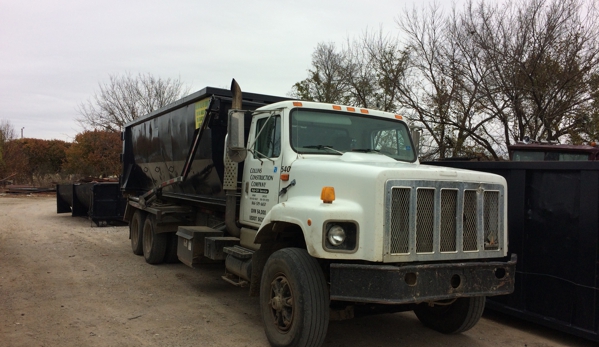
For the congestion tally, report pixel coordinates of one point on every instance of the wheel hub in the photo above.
(281, 303)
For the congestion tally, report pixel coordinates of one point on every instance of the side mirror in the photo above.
(416, 140)
(235, 138)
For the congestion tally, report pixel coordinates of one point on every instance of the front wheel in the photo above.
(451, 318)
(294, 299)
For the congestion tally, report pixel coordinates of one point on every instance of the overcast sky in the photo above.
(53, 54)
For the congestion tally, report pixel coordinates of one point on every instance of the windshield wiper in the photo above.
(366, 150)
(371, 150)
(323, 147)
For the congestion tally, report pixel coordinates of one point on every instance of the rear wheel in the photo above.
(136, 233)
(294, 299)
(452, 318)
(154, 244)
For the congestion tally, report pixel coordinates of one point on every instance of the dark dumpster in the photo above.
(102, 202)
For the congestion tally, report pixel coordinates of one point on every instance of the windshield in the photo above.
(334, 133)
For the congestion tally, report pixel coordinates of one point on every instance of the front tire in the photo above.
(294, 299)
(154, 244)
(457, 317)
(136, 232)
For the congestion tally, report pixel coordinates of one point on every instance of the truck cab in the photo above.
(394, 209)
(343, 187)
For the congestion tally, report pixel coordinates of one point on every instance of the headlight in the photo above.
(340, 236)
(336, 235)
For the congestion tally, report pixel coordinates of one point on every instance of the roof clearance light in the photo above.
(593, 144)
(351, 109)
(398, 117)
(335, 107)
(285, 177)
(297, 103)
(327, 195)
(363, 110)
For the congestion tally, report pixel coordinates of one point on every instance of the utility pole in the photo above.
(22, 132)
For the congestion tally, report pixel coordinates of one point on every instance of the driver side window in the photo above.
(268, 137)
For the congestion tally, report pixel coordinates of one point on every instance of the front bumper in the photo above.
(390, 284)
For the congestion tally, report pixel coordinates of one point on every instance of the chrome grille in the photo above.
(491, 219)
(470, 225)
(400, 228)
(425, 216)
(449, 202)
(431, 220)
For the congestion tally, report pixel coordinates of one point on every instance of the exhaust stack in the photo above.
(231, 203)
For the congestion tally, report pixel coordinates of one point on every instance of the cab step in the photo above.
(239, 252)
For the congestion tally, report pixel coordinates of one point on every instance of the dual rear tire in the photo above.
(155, 247)
(136, 232)
(154, 244)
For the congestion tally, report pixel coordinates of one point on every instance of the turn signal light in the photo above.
(327, 195)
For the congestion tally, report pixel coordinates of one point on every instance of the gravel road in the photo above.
(64, 282)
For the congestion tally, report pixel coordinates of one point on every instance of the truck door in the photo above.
(261, 172)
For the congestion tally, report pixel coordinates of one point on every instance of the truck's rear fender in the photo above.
(309, 215)
(129, 211)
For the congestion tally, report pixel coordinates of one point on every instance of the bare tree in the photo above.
(425, 92)
(362, 73)
(7, 133)
(125, 98)
(325, 80)
(478, 78)
(541, 56)
(388, 62)
(491, 74)
(589, 131)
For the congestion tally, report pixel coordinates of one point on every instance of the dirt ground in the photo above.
(64, 282)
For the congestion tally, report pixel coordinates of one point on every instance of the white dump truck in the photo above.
(322, 210)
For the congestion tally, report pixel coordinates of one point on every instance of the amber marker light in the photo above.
(285, 177)
(297, 103)
(335, 107)
(363, 110)
(398, 117)
(327, 195)
(351, 109)
(309, 222)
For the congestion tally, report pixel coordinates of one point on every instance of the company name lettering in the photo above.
(261, 177)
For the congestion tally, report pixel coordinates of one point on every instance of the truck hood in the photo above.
(365, 168)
